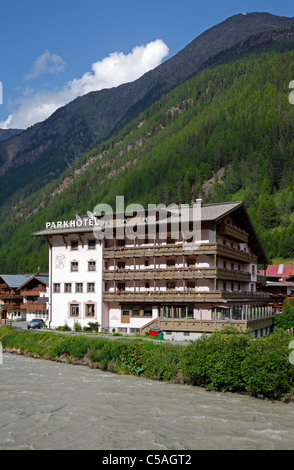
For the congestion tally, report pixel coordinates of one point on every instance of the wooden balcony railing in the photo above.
(175, 273)
(33, 306)
(31, 292)
(180, 250)
(232, 232)
(182, 296)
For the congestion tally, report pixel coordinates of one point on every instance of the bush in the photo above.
(284, 320)
(215, 361)
(266, 370)
(162, 361)
(77, 327)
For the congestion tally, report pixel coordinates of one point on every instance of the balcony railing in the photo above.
(203, 326)
(232, 232)
(180, 250)
(32, 292)
(182, 296)
(175, 273)
(34, 306)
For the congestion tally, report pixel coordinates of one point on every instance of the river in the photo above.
(50, 405)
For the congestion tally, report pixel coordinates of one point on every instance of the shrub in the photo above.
(215, 361)
(266, 369)
(284, 320)
(94, 326)
(77, 326)
(162, 361)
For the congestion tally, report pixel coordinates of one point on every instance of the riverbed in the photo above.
(50, 405)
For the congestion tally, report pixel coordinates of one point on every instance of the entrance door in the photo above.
(125, 315)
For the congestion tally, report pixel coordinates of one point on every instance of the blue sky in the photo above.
(54, 50)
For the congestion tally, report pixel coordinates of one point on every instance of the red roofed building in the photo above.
(279, 282)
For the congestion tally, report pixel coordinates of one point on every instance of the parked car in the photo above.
(35, 323)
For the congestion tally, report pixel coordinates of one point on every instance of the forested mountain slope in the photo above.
(40, 153)
(226, 134)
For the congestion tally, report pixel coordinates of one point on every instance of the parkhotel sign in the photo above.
(136, 222)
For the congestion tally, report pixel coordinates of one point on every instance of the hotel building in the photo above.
(135, 271)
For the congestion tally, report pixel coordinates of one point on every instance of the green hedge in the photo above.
(234, 361)
(228, 360)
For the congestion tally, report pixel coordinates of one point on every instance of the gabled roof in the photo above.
(218, 211)
(15, 280)
(279, 270)
(209, 213)
(42, 278)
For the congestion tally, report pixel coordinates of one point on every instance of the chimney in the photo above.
(199, 201)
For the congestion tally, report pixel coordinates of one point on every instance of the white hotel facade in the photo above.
(134, 271)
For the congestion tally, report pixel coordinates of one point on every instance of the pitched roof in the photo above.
(279, 270)
(217, 211)
(15, 280)
(209, 212)
(18, 280)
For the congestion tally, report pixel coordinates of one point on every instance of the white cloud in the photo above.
(110, 72)
(46, 63)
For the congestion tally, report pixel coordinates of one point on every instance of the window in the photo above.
(146, 262)
(90, 310)
(92, 266)
(121, 264)
(56, 287)
(91, 287)
(79, 287)
(147, 285)
(190, 262)
(136, 312)
(171, 262)
(67, 287)
(121, 243)
(126, 311)
(74, 245)
(92, 244)
(147, 311)
(191, 285)
(74, 266)
(171, 285)
(74, 310)
(121, 286)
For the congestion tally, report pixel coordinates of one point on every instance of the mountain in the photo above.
(6, 134)
(40, 153)
(225, 135)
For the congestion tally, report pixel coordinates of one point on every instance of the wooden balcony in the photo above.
(180, 250)
(232, 232)
(10, 306)
(34, 306)
(10, 296)
(32, 292)
(168, 273)
(174, 296)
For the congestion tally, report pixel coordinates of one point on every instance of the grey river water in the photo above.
(49, 405)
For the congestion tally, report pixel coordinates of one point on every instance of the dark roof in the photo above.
(209, 212)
